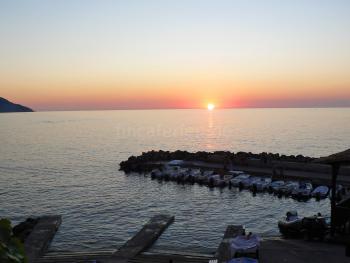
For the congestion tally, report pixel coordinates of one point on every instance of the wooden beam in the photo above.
(335, 171)
(143, 239)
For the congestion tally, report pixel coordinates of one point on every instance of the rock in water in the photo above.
(7, 106)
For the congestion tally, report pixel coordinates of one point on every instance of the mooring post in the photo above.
(335, 170)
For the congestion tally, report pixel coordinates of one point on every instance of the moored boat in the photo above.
(288, 188)
(203, 178)
(235, 181)
(316, 226)
(275, 186)
(193, 175)
(182, 175)
(261, 185)
(291, 225)
(247, 183)
(226, 178)
(320, 192)
(171, 172)
(303, 191)
(156, 174)
(215, 181)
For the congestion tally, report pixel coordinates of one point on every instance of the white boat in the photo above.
(215, 180)
(320, 192)
(183, 175)
(288, 188)
(203, 178)
(261, 185)
(235, 181)
(303, 191)
(247, 183)
(276, 185)
(227, 178)
(194, 175)
(171, 172)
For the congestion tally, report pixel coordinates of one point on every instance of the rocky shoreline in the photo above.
(150, 160)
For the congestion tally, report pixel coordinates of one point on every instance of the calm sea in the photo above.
(67, 163)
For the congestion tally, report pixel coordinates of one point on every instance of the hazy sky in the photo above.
(68, 54)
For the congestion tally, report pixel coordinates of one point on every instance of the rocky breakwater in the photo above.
(154, 159)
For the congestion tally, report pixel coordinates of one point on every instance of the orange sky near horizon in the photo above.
(225, 91)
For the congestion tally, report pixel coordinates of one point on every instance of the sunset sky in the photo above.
(76, 55)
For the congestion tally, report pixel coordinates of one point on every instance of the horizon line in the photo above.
(196, 108)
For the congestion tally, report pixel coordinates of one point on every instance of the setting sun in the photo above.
(210, 106)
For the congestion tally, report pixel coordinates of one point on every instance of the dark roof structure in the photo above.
(336, 158)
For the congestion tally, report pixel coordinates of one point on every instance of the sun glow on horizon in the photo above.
(220, 54)
(210, 106)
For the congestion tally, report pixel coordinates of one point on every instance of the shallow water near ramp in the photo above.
(68, 163)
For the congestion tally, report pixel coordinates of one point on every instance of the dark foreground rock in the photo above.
(23, 229)
(8, 106)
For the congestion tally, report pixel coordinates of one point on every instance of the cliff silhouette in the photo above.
(8, 106)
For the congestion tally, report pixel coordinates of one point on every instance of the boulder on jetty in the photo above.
(148, 161)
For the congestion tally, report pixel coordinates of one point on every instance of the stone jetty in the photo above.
(148, 160)
(294, 167)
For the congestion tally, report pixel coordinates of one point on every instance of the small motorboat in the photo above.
(288, 188)
(310, 227)
(156, 174)
(247, 183)
(275, 186)
(227, 178)
(193, 175)
(316, 226)
(182, 175)
(291, 225)
(172, 172)
(261, 185)
(173, 175)
(303, 191)
(216, 180)
(203, 179)
(187, 176)
(320, 192)
(235, 181)
(169, 170)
